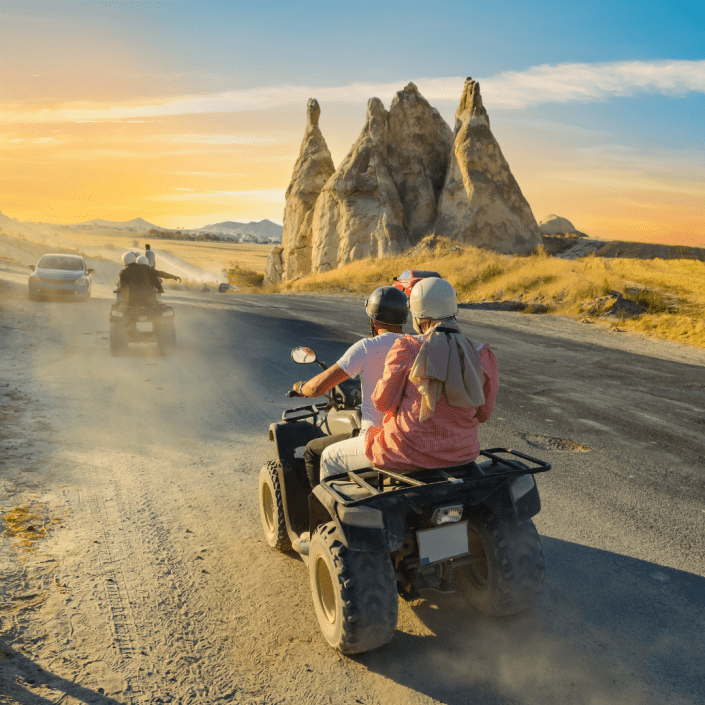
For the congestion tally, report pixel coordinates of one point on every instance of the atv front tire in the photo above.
(508, 572)
(354, 593)
(271, 507)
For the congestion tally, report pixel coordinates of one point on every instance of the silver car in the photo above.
(60, 276)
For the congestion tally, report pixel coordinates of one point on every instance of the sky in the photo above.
(192, 113)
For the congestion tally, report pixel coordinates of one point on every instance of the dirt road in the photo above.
(153, 582)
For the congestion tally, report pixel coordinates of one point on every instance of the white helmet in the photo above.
(142, 260)
(128, 258)
(433, 298)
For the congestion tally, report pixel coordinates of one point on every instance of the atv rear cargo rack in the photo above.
(422, 483)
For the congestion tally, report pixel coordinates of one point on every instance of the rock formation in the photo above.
(555, 225)
(312, 169)
(274, 267)
(419, 147)
(406, 178)
(359, 213)
(481, 203)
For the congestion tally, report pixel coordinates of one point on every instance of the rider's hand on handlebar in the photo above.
(296, 391)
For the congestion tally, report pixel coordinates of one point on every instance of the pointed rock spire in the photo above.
(312, 169)
(420, 142)
(481, 203)
(358, 213)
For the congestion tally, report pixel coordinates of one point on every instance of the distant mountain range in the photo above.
(264, 228)
(262, 231)
(134, 224)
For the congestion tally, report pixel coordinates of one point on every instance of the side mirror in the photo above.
(90, 271)
(303, 356)
(394, 279)
(31, 266)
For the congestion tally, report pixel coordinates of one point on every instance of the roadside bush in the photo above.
(246, 278)
(652, 301)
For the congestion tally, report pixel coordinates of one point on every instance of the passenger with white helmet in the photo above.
(140, 283)
(436, 389)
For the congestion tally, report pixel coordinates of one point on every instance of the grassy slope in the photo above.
(673, 291)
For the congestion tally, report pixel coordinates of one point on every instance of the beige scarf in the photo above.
(448, 363)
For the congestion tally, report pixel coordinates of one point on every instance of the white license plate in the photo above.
(144, 326)
(443, 542)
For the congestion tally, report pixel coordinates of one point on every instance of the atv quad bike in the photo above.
(141, 324)
(376, 534)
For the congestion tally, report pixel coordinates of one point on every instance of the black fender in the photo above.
(362, 528)
(288, 436)
(512, 507)
(295, 491)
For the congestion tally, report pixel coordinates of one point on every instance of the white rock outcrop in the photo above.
(556, 225)
(418, 148)
(359, 213)
(312, 169)
(481, 203)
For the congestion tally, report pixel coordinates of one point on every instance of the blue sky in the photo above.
(598, 107)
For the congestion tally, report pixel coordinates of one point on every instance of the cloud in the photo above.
(508, 90)
(592, 82)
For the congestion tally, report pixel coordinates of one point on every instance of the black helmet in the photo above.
(388, 305)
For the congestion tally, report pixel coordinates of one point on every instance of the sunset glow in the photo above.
(143, 115)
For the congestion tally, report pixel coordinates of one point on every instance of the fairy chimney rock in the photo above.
(481, 203)
(420, 142)
(312, 169)
(358, 213)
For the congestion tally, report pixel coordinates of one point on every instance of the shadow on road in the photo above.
(653, 642)
(20, 677)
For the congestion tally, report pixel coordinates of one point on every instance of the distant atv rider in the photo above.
(139, 283)
(388, 310)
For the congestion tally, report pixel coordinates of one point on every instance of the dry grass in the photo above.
(672, 291)
(29, 524)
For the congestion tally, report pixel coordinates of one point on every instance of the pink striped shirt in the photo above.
(449, 437)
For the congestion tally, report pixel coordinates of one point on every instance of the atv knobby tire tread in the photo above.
(366, 600)
(515, 567)
(277, 536)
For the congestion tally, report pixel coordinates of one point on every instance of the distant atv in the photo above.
(141, 324)
(379, 533)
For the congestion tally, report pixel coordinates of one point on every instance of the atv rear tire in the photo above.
(118, 338)
(271, 507)
(508, 574)
(354, 593)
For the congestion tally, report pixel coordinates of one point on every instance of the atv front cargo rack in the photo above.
(429, 483)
